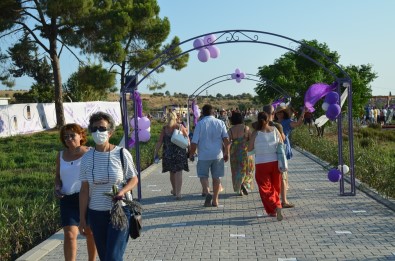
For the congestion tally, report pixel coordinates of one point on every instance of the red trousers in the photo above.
(268, 178)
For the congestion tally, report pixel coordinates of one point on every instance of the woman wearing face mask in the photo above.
(67, 188)
(101, 168)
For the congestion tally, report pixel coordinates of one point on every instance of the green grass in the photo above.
(374, 153)
(29, 211)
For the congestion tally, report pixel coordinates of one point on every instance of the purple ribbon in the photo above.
(193, 112)
(139, 104)
(278, 102)
(316, 92)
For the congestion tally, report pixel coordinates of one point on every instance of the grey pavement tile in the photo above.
(185, 230)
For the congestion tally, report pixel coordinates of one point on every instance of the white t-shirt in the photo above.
(102, 170)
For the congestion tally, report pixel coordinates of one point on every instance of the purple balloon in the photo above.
(144, 123)
(144, 135)
(203, 55)
(332, 97)
(132, 122)
(334, 175)
(333, 111)
(198, 43)
(214, 51)
(209, 39)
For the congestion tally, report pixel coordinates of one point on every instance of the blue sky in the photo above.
(360, 31)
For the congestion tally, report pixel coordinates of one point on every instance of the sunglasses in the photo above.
(100, 128)
(68, 136)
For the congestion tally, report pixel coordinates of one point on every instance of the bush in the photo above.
(373, 161)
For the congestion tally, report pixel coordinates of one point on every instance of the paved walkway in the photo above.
(322, 226)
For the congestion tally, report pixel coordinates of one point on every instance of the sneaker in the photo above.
(207, 202)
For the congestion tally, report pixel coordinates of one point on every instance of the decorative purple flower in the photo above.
(238, 75)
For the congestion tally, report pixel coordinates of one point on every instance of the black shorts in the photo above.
(70, 210)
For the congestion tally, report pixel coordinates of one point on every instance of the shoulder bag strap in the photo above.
(123, 167)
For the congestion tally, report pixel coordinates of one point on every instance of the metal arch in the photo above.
(228, 77)
(234, 36)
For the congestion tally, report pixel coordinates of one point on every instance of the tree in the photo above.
(43, 22)
(5, 76)
(362, 76)
(127, 34)
(89, 83)
(295, 74)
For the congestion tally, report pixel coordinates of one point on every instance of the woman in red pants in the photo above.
(267, 174)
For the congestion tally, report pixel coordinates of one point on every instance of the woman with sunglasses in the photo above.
(101, 169)
(67, 188)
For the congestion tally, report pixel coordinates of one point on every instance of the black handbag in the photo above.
(136, 218)
(136, 223)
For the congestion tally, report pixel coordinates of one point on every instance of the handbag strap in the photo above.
(123, 168)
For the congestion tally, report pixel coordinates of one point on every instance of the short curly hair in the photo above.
(74, 128)
(97, 116)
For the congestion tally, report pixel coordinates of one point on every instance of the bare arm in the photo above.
(84, 199)
(252, 141)
(192, 150)
(58, 181)
(128, 186)
(295, 124)
(160, 141)
(226, 148)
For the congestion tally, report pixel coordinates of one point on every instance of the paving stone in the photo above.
(186, 230)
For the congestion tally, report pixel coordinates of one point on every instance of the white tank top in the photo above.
(266, 146)
(69, 175)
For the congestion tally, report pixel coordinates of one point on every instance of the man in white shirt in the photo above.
(210, 137)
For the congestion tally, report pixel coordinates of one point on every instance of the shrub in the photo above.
(373, 161)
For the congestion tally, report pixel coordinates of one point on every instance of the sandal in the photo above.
(243, 188)
(207, 202)
(279, 214)
(287, 205)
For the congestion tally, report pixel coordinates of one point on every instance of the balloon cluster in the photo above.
(143, 132)
(331, 105)
(207, 52)
(144, 124)
(238, 75)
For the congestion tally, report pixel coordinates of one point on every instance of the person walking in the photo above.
(267, 174)
(282, 116)
(210, 137)
(67, 189)
(223, 116)
(102, 170)
(174, 158)
(242, 166)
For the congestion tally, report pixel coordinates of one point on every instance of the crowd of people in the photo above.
(376, 115)
(85, 176)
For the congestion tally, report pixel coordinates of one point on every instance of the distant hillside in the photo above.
(158, 102)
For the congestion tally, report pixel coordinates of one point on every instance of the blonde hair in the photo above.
(172, 119)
